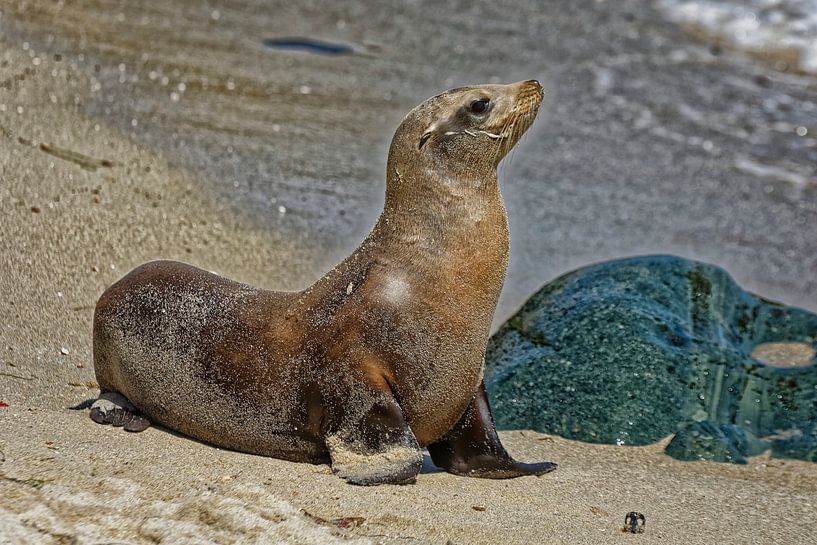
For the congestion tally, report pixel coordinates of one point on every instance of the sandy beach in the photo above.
(131, 132)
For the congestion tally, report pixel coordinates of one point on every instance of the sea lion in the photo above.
(377, 359)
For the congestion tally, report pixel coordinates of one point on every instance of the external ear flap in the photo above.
(440, 129)
(425, 137)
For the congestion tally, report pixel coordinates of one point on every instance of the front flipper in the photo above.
(472, 447)
(373, 443)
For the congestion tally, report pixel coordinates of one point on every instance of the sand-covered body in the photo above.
(381, 356)
(251, 369)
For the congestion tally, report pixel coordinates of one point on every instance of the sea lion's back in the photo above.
(181, 344)
(156, 322)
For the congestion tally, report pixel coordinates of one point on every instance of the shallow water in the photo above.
(309, 45)
(649, 140)
(783, 28)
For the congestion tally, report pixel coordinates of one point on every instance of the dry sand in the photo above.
(80, 204)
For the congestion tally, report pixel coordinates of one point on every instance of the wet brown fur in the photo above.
(385, 348)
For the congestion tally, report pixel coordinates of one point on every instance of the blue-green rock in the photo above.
(633, 350)
(716, 442)
(800, 444)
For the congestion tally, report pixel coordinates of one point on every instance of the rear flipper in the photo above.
(375, 446)
(472, 447)
(115, 409)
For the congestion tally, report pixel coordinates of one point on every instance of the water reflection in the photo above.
(309, 45)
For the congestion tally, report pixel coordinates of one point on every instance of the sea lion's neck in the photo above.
(442, 213)
(441, 233)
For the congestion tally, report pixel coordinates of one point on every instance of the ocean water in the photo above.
(784, 28)
(649, 141)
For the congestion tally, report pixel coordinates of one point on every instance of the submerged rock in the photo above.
(633, 350)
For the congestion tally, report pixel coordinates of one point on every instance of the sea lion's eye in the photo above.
(479, 106)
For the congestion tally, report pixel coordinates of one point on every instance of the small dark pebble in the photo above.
(35, 209)
(634, 523)
(716, 50)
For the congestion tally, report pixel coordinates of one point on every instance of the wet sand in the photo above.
(267, 167)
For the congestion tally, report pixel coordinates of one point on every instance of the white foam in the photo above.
(120, 512)
(754, 25)
(746, 164)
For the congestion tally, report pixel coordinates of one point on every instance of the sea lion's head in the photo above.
(467, 129)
